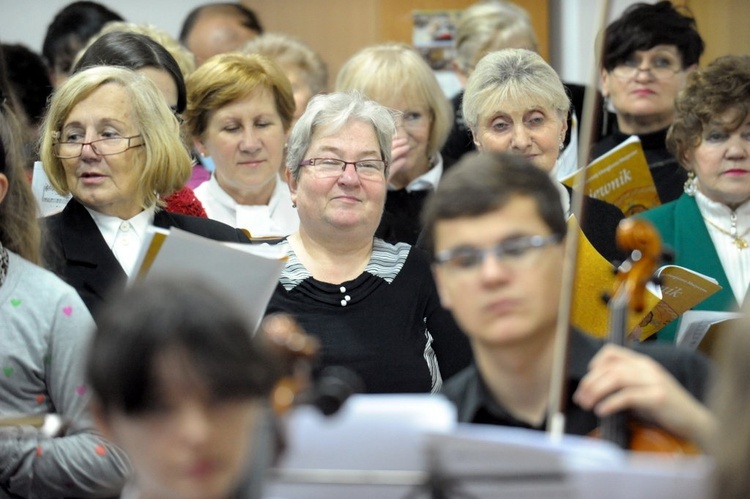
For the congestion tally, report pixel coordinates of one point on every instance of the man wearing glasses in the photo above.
(496, 231)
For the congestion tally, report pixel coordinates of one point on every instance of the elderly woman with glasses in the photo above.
(111, 141)
(373, 305)
(648, 53)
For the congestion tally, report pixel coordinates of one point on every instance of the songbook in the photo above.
(249, 272)
(701, 329)
(680, 290)
(621, 176)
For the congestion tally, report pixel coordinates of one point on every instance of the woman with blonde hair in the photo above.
(396, 76)
(111, 141)
(240, 108)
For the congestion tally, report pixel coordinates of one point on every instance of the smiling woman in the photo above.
(373, 305)
(111, 141)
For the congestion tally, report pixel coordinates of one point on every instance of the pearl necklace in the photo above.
(739, 240)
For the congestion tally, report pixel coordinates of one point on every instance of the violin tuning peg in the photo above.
(606, 297)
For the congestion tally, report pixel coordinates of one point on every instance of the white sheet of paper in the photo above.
(238, 268)
(48, 200)
(694, 325)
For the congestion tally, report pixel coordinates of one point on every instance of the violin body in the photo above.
(641, 240)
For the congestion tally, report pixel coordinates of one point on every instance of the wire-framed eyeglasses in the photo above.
(516, 252)
(102, 147)
(661, 68)
(333, 168)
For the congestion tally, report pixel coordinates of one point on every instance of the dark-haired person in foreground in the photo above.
(497, 232)
(182, 385)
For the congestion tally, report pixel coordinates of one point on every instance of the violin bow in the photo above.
(556, 406)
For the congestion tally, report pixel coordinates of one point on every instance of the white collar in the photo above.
(222, 197)
(109, 225)
(428, 181)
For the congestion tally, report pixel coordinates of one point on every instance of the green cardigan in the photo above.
(682, 228)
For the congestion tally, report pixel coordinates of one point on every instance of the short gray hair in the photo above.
(332, 112)
(512, 75)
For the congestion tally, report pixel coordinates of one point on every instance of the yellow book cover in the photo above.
(681, 289)
(594, 277)
(621, 177)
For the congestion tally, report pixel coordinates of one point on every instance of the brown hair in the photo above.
(20, 230)
(229, 77)
(722, 86)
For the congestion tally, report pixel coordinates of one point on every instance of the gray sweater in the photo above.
(44, 334)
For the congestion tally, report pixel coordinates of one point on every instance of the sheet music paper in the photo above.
(249, 272)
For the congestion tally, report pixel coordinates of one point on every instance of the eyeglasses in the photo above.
(515, 252)
(101, 147)
(661, 68)
(369, 169)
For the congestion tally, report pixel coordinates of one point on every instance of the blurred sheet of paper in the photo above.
(250, 272)
(48, 200)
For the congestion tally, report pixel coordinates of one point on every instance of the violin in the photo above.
(298, 351)
(641, 241)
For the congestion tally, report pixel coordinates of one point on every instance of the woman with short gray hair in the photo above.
(373, 305)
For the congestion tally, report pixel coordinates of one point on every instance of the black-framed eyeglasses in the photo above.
(101, 147)
(514, 252)
(332, 168)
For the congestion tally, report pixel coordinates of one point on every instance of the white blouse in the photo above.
(124, 237)
(736, 261)
(278, 218)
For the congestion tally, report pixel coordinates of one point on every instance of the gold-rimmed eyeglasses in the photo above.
(101, 147)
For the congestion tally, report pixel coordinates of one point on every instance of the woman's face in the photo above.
(644, 97)
(525, 128)
(721, 161)
(107, 184)
(245, 138)
(189, 444)
(346, 202)
(415, 125)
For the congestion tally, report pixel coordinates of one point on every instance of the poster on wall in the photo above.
(434, 36)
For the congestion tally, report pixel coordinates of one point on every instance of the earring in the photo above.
(691, 184)
(562, 144)
(294, 205)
